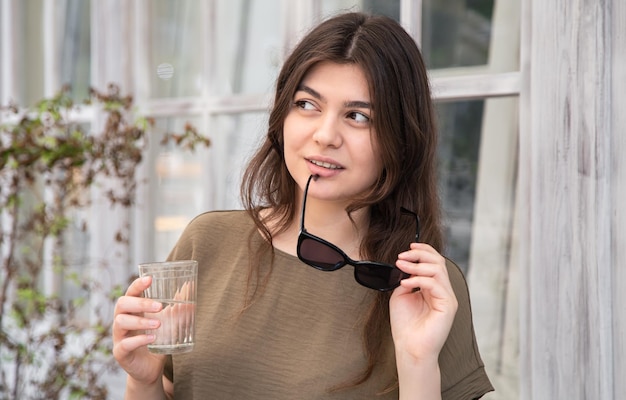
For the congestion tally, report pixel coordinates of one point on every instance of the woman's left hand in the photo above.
(422, 308)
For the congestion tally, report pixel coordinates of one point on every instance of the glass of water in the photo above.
(174, 285)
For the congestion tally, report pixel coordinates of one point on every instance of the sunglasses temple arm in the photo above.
(417, 222)
(306, 190)
(417, 229)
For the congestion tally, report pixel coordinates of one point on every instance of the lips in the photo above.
(325, 164)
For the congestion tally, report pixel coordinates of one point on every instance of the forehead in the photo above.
(332, 79)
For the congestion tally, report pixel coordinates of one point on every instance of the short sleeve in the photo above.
(463, 376)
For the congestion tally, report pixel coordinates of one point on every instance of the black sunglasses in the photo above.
(325, 256)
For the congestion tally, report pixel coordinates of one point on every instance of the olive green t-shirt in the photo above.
(302, 335)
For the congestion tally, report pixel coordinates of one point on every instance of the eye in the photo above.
(359, 117)
(304, 104)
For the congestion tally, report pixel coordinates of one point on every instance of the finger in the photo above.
(425, 247)
(136, 305)
(424, 283)
(421, 268)
(431, 290)
(138, 286)
(127, 322)
(405, 289)
(422, 252)
(127, 325)
(181, 292)
(126, 346)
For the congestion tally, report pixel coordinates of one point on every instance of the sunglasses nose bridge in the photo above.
(341, 264)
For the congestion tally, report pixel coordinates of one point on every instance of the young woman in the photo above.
(287, 308)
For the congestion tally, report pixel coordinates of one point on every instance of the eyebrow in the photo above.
(347, 104)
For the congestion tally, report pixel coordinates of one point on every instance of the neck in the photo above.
(329, 221)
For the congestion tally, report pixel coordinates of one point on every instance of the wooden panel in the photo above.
(455, 88)
(618, 186)
(565, 170)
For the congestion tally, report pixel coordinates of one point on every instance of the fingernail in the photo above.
(151, 337)
(145, 279)
(156, 306)
(153, 323)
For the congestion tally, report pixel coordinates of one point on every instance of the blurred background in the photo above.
(213, 63)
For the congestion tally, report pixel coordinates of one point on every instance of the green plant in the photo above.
(52, 344)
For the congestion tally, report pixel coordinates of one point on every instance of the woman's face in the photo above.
(328, 132)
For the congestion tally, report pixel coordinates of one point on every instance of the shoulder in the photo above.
(459, 284)
(210, 230)
(217, 224)
(219, 220)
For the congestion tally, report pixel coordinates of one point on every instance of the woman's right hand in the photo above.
(129, 338)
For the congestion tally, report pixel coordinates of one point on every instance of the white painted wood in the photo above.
(566, 152)
(51, 49)
(411, 18)
(52, 281)
(455, 88)
(180, 106)
(618, 187)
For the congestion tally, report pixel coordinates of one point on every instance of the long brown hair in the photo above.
(406, 135)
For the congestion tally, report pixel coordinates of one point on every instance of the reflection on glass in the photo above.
(478, 179)
(459, 141)
(184, 184)
(72, 22)
(176, 183)
(75, 57)
(238, 137)
(176, 47)
(390, 8)
(30, 54)
(248, 46)
(456, 33)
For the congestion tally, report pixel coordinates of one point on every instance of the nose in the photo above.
(328, 132)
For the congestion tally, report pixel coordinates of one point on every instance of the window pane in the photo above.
(460, 129)
(30, 52)
(71, 49)
(248, 45)
(176, 185)
(176, 46)
(390, 8)
(238, 137)
(183, 184)
(75, 48)
(463, 33)
(1, 50)
(478, 177)
(456, 32)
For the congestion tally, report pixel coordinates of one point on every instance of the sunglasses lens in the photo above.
(379, 277)
(319, 255)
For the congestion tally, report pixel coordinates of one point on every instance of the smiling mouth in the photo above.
(325, 164)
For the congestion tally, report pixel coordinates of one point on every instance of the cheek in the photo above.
(290, 141)
(374, 155)
(291, 132)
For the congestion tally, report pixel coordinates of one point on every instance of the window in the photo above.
(213, 63)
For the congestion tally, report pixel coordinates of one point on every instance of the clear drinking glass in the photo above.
(174, 285)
